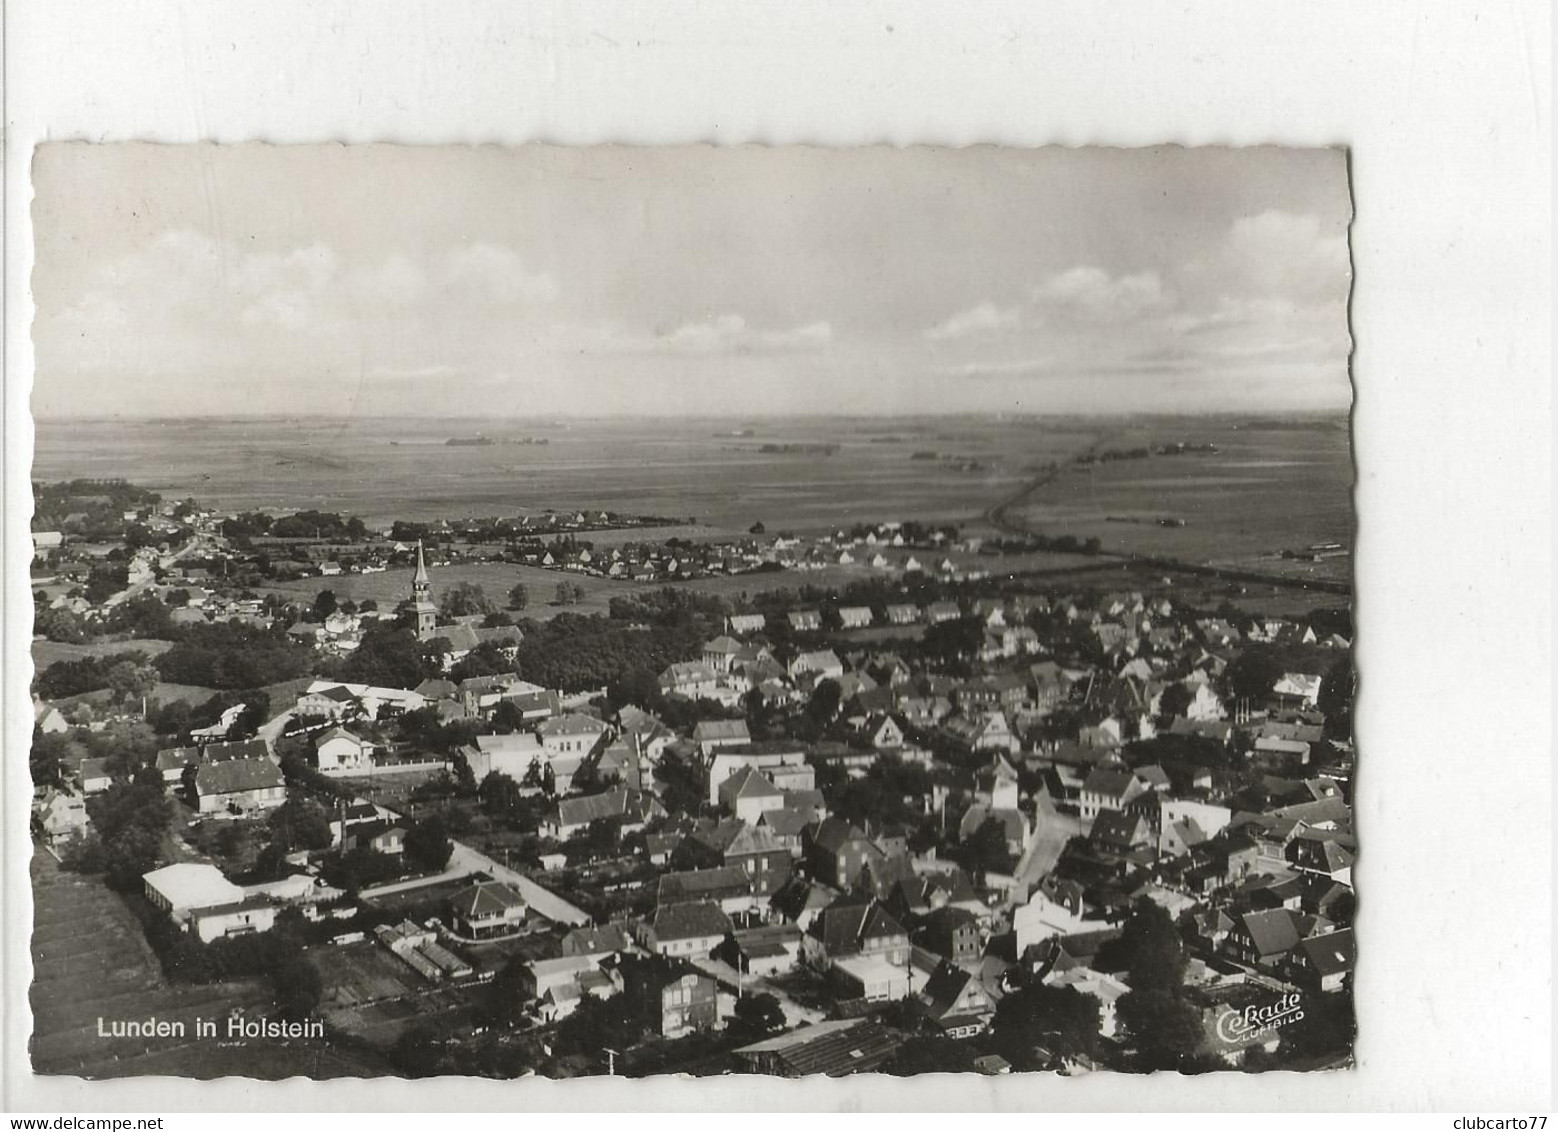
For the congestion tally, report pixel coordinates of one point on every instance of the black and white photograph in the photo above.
(606, 610)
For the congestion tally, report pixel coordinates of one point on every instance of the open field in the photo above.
(45, 653)
(496, 579)
(383, 469)
(1265, 490)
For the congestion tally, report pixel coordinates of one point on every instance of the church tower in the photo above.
(422, 599)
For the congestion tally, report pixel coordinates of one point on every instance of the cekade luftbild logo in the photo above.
(1241, 1027)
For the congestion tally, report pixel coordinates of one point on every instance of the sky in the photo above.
(230, 281)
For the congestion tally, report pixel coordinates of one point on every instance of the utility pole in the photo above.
(611, 1061)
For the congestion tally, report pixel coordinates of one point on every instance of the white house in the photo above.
(339, 751)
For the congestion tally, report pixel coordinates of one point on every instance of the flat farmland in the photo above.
(1265, 490)
(805, 474)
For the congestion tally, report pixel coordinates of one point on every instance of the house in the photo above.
(988, 731)
(748, 793)
(772, 949)
(902, 614)
(1120, 831)
(690, 929)
(1324, 962)
(836, 852)
(757, 853)
(1055, 909)
(384, 837)
(855, 616)
(93, 776)
(883, 732)
(952, 933)
(606, 939)
(485, 909)
(47, 718)
(558, 986)
(59, 817)
(238, 784)
(941, 611)
(784, 764)
(859, 943)
(824, 664)
(633, 808)
(712, 735)
(688, 1001)
(571, 734)
(201, 901)
(172, 761)
(744, 623)
(805, 620)
(1263, 939)
(956, 1002)
(1108, 789)
(512, 755)
(1297, 690)
(721, 652)
(691, 679)
(339, 751)
(729, 887)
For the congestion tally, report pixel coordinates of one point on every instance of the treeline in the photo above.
(87, 506)
(120, 670)
(325, 525)
(575, 652)
(231, 656)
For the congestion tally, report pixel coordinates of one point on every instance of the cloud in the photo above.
(724, 334)
(1094, 294)
(985, 320)
(187, 280)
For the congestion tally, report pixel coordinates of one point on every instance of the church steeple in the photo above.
(422, 598)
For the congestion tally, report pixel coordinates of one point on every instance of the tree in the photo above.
(507, 718)
(1165, 1029)
(428, 845)
(325, 604)
(988, 849)
(760, 1013)
(823, 707)
(1337, 691)
(387, 657)
(500, 794)
(519, 596)
(1062, 1019)
(1174, 701)
(465, 599)
(1151, 948)
(464, 776)
(300, 823)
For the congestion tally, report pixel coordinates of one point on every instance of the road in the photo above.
(454, 872)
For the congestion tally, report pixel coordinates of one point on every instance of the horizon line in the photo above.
(1339, 411)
